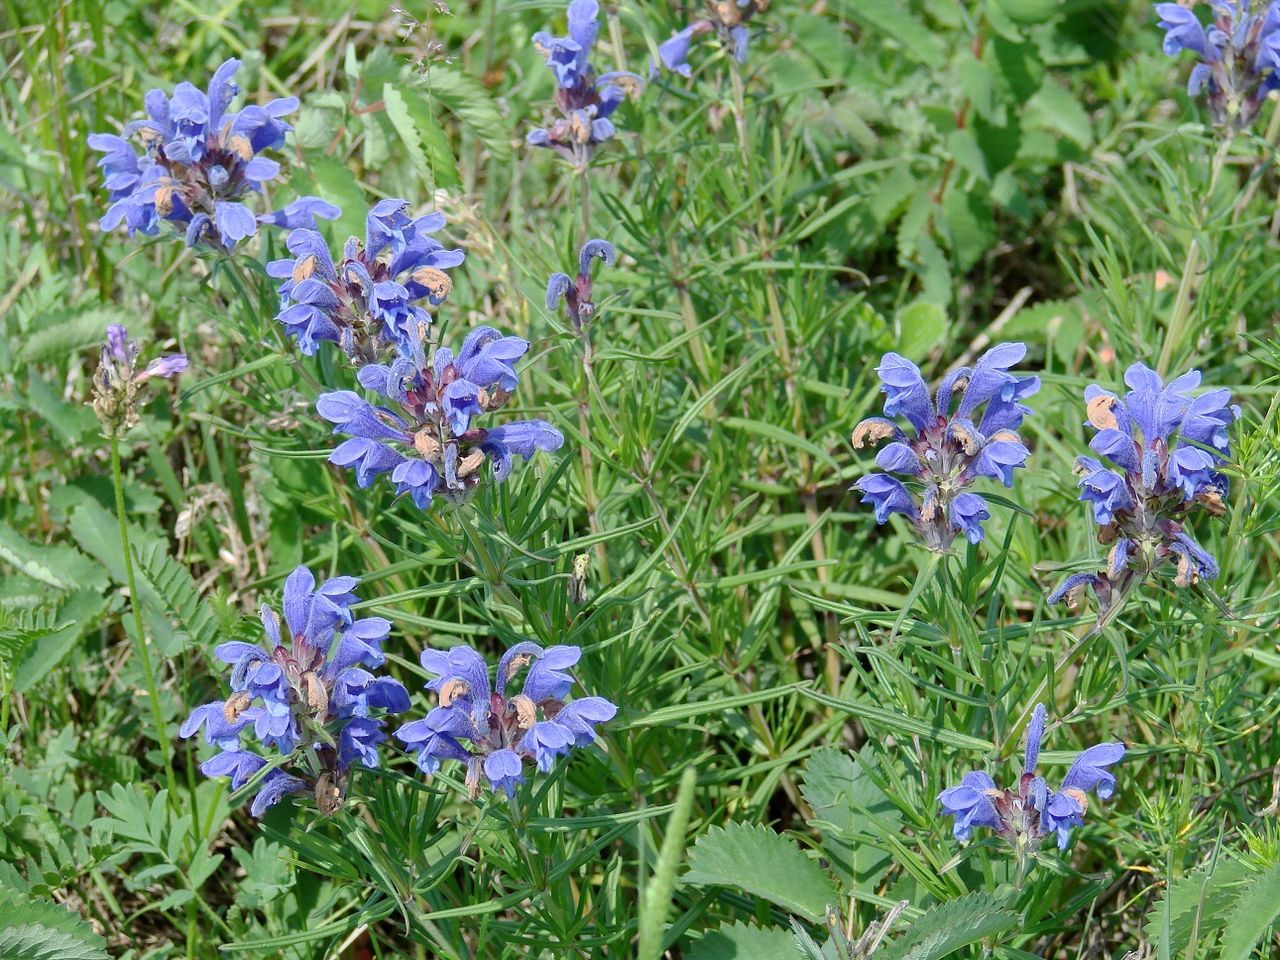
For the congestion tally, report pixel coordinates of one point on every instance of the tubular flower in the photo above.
(368, 301)
(308, 695)
(496, 732)
(199, 162)
(950, 448)
(1032, 812)
(726, 18)
(1238, 54)
(117, 383)
(576, 292)
(434, 446)
(585, 100)
(1165, 446)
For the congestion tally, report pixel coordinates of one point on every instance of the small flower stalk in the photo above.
(199, 165)
(1165, 447)
(584, 99)
(434, 445)
(1028, 814)
(1238, 55)
(576, 291)
(495, 732)
(727, 19)
(308, 695)
(955, 442)
(118, 384)
(369, 302)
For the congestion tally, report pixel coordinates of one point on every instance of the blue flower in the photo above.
(1033, 811)
(305, 690)
(1237, 55)
(199, 164)
(1164, 447)
(434, 445)
(576, 293)
(585, 101)
(954, 444)
(493, 731)
(117, 383)
(368, 302)
(727, 20)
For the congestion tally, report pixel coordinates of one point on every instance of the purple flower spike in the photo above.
(1027, 815)
(1164, 447)
(308, 688)
(435, 446)
(729, 23)
(200, 164)
(117, 382)
(584, 100)
(1237, 54)
(955, 443)
(494, 732)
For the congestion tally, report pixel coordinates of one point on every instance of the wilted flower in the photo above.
(117, 382)
(576, 293)
(367, 302)
(1238, 53)
(1167, 445)
(1027, 815)
(585, 100)
(199, 162)
(726, 18)
(307, 695)
(435, 446)
(950, 449)
(493, 731)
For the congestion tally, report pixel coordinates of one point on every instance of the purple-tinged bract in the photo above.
(1237, 53)
(585, 101)
(726, 18)
(1164, 447)
(433, 445)
(495, 731)
(369, 302)
(117, 383)
(952, 443)
(199, 163)
(308, 693)
(1032, 812)
(576, 291)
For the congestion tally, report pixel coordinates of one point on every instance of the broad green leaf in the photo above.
(402, 120)
(76, 614)
(921, 327)
(737, 941)
(944, 929)
(1200, 900)
(32, 929)
(467, 99)
(892, 19)
(1254, 913)
(761, 862)
(847, 803)
(59, 565)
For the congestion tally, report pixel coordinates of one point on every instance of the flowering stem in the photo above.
(144, 650)
(1191, 267)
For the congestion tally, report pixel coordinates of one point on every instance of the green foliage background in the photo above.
(929, 176)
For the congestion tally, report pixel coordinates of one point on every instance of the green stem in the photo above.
(144, 650)
(1191, 267)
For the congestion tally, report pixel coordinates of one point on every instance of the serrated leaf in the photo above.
(75, 614)
(737, 941)
(60, 565)
(178, 593)
(889, 17)
(32, 929)
(1199, 900)
(403, 122)
(71, 422)
(847, 803)
(98, 534)
(467, 99)
(943, 929)
(59, 340)
(1255, 910)
(764, 863)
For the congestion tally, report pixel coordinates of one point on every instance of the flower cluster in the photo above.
(726, 18)
(1030, 813)
(1239, 54)
(950, 449)
(502, 730)
(585, 100)
(199, 163)
(576, 292)
(307, 691)
(117, 382)
(368, 301)
(434, 446)
(1166, 446)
